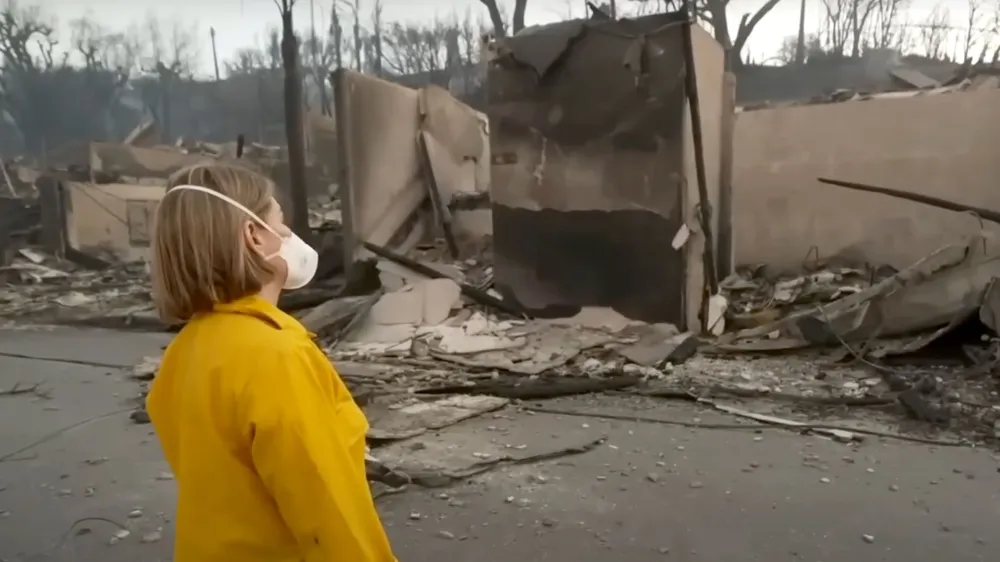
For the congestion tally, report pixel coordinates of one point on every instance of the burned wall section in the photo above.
(587, 136)
(940, 145)
(110, 220)
(396, 146)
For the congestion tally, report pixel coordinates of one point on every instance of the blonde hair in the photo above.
(200, 256)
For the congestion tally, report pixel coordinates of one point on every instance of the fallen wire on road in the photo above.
(19, 389)
(745, 426)
(50, 436)
(63, 360)
(65, 536)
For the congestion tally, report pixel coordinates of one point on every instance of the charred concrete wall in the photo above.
(941, 145)
(591, 184)
(115, 219)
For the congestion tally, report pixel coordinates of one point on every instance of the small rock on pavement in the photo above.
(152, 537)
(868, 538)
(120, 535)
(653, 477)
(696, 484)
(446, 535)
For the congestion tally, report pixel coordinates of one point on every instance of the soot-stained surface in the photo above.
(554, 262)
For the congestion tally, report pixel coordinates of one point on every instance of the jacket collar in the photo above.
(256, 306)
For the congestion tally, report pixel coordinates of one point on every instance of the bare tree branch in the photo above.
(934, 31)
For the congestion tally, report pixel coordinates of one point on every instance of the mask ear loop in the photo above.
(253, 216)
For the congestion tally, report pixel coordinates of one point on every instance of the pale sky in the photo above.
(240, 23)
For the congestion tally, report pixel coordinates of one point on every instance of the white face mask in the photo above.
(300, 258)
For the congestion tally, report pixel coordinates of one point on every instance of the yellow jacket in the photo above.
(266, 444)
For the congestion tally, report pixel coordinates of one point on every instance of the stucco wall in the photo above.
(383, 181)
(941, 145)
(111, 218)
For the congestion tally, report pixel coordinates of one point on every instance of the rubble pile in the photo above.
(38, 288)
(755, 298)
(404, 306)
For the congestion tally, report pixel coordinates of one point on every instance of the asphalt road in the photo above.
(651, 492)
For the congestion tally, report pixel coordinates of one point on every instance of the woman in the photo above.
(265, 441)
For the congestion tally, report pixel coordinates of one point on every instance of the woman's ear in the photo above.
(251, 235)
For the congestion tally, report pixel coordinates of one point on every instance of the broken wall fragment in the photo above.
(384, 177)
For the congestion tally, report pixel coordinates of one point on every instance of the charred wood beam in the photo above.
(704, 207)
(985, 214)
(476, 294)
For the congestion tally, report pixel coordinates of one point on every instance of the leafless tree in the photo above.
(788, 50)
(167, 56)
(376, 39)
(992, 40)
(266, 56)
(934, 31)
(416, 48)
(846, 25)
(172, 46)
(102, 49)
(56, 91)
(109, 61)
(358, 47)
(861, 13)
(499, 20)
(28, 53)
(336, 33)
(469, 33)
(836, 25)
(973, 29)
(885, 29)
(714, 12)
(323, 53)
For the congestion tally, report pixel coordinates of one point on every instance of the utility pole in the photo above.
(215, 53)
(800, 44)
(312, 27)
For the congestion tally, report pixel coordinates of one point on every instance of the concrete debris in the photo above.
(43, 289)
(414, 417)
(660, 344)
(756, 298)
(457, 455)
(428, 302)
(938, 292)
